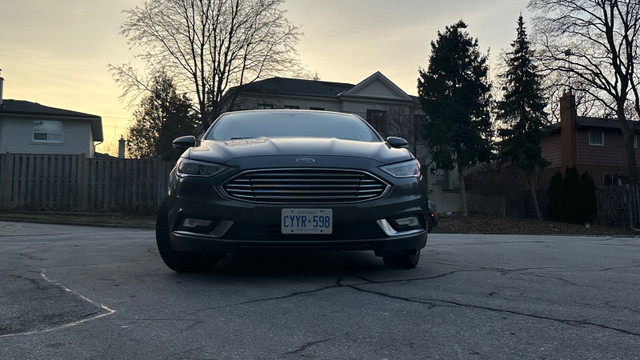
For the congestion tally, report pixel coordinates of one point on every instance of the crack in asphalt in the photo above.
(31, 281)
(30, 257)
(571, 322)
(288, 296)
(431, 303)
(557, 278)
(422, 302)
(449, 273)
(306, 345)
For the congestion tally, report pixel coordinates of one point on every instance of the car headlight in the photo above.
(405, 169)
(187, 167)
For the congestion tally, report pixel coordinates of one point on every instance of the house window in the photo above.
(378, 119)
(419, 122)
(264, 106)
(596, 137)
(315, 108)
(615, 179)
(45, 131)
(291, 107)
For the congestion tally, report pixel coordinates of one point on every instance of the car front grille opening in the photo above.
(305, 185)
(255, 232)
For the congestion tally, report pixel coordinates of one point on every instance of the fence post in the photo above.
(634, 204)
(82, 188)
(6, 182)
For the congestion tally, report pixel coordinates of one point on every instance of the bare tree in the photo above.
(594, 43)
(207, 46)
(405, 122)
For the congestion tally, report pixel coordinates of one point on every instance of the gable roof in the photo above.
(21, 108)
(377, 85)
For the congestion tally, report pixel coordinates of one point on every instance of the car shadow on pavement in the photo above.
(303, 264)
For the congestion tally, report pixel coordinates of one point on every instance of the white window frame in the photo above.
(601, 137)
(48, 132)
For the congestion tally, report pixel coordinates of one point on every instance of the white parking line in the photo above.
(65, 326)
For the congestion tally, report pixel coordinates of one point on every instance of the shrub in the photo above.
(587, 189)
(572, 198)
(555, 207)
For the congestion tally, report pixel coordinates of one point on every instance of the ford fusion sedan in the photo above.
(292, 179)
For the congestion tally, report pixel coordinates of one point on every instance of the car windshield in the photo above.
(274, 124)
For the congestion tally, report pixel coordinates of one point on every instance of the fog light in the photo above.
(410, 222)
(194, 223)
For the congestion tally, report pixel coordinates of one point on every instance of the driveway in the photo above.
(72, 292)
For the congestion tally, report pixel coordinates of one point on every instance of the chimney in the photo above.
(568, 144)
(121, 147)
(1, 85)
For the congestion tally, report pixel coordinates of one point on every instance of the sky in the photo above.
(56, 52)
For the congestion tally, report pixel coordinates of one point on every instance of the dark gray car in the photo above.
(292, 179)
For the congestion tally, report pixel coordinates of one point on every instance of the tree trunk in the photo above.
(628, 134)
(463, 192)
(534, 196)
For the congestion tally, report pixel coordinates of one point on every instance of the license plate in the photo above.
(307, 221)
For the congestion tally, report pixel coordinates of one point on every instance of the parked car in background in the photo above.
(292, 179)
(433, 216)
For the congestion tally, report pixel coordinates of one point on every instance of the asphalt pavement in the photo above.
(72, 292)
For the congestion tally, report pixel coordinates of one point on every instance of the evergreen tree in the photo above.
(455, 96)
(588, 200)
(162, 116)
(572, 198)
(522, 110)
(555, 207)
(572, 212)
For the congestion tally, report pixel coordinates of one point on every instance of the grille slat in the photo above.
(305, 185)
(355, 181)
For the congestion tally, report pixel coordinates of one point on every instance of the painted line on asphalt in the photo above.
(107, 310)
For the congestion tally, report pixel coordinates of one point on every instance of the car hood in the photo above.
(225, 151)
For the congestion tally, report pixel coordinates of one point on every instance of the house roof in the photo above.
(603, 123)
(587, 122)
(303, 87)
(279, 85)
(21, 108)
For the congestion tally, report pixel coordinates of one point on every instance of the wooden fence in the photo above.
(619, 206)
(75, 183)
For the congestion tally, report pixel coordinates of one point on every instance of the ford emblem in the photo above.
(305, 160)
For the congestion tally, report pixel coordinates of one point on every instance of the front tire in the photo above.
(178, 261)
(407, 259)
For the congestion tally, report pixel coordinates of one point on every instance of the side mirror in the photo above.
(397, 142)
(184, 142)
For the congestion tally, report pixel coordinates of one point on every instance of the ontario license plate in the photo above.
(307, 221)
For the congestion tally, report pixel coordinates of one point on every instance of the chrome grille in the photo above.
(305, 185)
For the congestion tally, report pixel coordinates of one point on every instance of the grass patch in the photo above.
(88, 219)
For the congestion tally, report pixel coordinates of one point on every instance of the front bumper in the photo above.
(237, 225)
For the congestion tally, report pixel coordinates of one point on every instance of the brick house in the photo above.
(591, 144)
